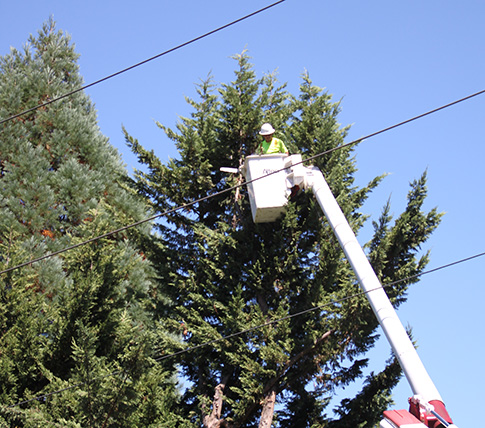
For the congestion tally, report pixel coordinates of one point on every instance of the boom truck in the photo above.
(270, 179)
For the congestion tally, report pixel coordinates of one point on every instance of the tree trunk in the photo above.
(268, 410)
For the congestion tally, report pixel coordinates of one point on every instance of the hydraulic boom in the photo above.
(268, 199)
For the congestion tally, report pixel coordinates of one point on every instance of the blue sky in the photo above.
(386, 62)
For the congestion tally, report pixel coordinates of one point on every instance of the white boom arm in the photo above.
(421, 384)
(417, 376)
(426, 404)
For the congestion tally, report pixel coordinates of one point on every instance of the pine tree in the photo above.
(82, 321)
(227, 275)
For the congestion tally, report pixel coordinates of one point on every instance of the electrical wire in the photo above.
(229, 189)
(139, 64)
(404, 122)
(333, 302)
(242, 332)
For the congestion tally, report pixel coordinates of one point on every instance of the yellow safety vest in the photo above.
(274, 146)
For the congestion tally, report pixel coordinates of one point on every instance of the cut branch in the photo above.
(213, 420)
(267, 412)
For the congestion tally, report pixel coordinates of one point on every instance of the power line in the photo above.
(333, 302)
(139, 64)
(114, 232)
(242, 332)
(189, 204)
(404, 122)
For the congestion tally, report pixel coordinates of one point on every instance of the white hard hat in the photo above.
(266, 129)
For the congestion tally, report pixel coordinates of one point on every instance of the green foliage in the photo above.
(225, 274)
(78, 331)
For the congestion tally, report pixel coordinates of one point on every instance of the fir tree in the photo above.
(82, 321)
(227, 275)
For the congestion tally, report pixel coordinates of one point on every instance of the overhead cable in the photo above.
(320, 307)
(404, 122)
(240, 333)
(229, 189)
(139, 64)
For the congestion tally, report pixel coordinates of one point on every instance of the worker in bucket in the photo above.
(270, 144)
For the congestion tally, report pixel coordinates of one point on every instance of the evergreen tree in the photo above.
(227, 275)
(82, 321)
